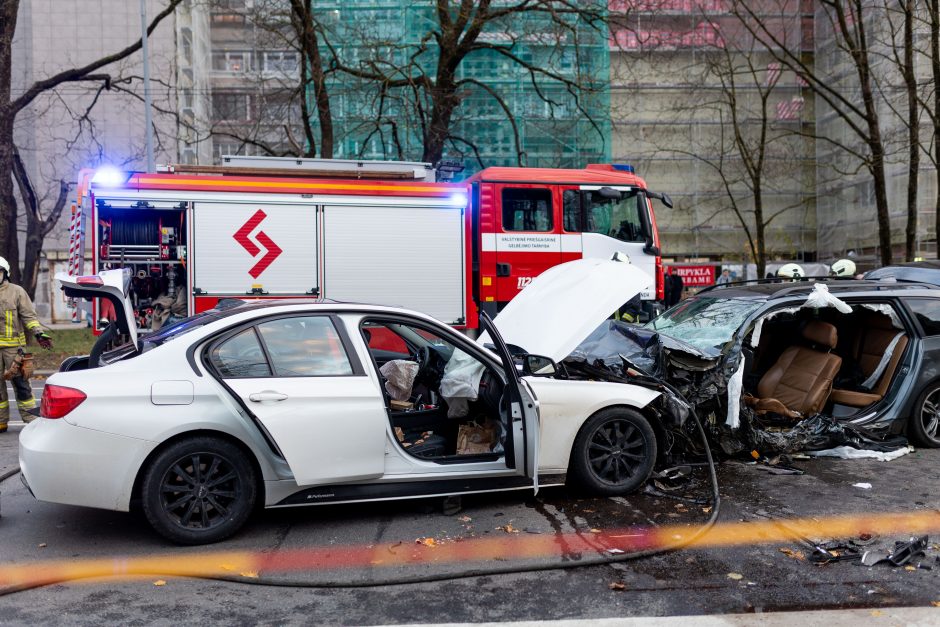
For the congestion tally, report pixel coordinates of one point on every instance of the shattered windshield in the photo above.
(705, 323)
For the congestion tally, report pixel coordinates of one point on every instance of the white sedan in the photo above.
(307, 402)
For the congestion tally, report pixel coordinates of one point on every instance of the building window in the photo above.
(231, 107)
(280, 62)
(237, 62)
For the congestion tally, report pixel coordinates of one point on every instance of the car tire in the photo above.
(199, 490)
(924, 424)
(614, 452)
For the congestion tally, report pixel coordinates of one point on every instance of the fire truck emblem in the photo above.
(273, 251)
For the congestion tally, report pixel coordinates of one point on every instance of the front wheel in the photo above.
(199, 490)
(924, 426)
(614, 452)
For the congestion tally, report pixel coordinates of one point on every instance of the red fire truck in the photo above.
(380, 232)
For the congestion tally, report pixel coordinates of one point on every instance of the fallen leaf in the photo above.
(42, 545)
(588, 511)
(595, 530)
(755, 454)
(735, 576)
(508, 529)
(935, 603)
(797, 555)
(251, 574)
(706, 509)
(426, 542)
(464, 519)
(876, 612)
(159, 582)
(616, 585)
(910, 568)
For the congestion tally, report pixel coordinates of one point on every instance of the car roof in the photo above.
(772, 289)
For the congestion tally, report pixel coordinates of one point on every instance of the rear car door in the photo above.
(301, 379)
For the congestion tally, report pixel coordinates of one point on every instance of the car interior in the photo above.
(809, 361)
(430, 419)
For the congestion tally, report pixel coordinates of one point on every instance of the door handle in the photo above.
(266, 395)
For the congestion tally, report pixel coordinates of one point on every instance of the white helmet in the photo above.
(4, 265)
(791, 271)
(843, 267)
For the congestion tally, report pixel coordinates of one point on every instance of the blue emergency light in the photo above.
(623, 167)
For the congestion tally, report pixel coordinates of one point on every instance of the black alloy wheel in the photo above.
(199, 490)
(924, 426)
(614, 452)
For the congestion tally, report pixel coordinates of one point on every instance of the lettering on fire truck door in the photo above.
(529, 241)
(243, 248)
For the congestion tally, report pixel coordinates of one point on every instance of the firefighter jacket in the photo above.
(19, 316)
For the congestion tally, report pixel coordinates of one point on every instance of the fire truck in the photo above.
(359, 231)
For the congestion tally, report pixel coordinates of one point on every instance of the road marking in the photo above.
(235, 564)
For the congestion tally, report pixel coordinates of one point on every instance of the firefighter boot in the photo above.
(25, 402)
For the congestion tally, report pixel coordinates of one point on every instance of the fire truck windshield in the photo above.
(617, 218)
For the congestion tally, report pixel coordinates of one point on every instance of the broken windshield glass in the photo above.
(705, 323)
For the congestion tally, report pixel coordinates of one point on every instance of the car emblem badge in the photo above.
(273, 251)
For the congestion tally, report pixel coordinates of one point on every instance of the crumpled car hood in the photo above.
(565, 304)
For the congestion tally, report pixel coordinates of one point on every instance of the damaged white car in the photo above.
(835, 367)
(311, 402)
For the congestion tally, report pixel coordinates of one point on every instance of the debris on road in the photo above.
(902, 554)
(862, 485)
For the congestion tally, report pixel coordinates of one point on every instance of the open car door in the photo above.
(522, 440)
(111, 285)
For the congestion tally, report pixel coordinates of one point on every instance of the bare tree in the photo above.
(11, 107)
(427, 78)
(857, 105)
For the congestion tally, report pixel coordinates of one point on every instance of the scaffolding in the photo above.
(557, 126)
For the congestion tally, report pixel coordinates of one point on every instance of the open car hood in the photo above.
(110, 284)
(566, 303)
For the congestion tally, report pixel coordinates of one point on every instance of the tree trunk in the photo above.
(445, 100)
(8, 209)
(913, 127)
(760, 259)
(310, 48)
(934, 8)
(31, 257)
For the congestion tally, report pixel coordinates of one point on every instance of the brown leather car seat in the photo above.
(798, 384)
(875, 336)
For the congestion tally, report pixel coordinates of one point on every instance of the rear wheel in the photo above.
(614, 452)
(924, 426)
(199, 490)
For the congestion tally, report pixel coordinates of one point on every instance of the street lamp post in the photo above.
(148, 116)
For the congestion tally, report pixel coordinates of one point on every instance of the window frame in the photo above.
(906, 301)
(527, 188)
(351, 355)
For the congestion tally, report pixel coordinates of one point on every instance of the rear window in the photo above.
(299, 346)
(927, 312)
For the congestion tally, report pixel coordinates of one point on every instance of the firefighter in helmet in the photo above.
(791, 271)
(843, 267)
(19, 318)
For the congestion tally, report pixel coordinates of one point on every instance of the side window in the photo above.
(927, 312)
(241, 356)
(572, 209)
(380, 337)
(527, 210)
(615, 218)
(306, 346)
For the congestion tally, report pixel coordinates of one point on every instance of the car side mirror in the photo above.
(540, 366)
(650, 249)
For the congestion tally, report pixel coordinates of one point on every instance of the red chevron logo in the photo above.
(242, 237)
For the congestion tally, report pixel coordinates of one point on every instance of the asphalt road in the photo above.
(687, 582)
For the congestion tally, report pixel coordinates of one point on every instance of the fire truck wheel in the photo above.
(614, 452)
(199, 490)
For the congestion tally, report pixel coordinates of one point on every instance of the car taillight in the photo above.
(58, 400)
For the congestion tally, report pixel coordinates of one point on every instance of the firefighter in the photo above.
(19, 318)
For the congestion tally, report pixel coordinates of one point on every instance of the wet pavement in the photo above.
(744, 579)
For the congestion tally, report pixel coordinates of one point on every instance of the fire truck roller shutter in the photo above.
(240, 245)
(412, 257)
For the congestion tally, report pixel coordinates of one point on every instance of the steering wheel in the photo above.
(423, 357)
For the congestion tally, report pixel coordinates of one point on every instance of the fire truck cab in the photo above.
(530, 219)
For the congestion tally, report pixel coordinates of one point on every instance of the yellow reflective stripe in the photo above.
(13, 341)
(4, 404)
(9, 322)
(32, 324)
(30, 404)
